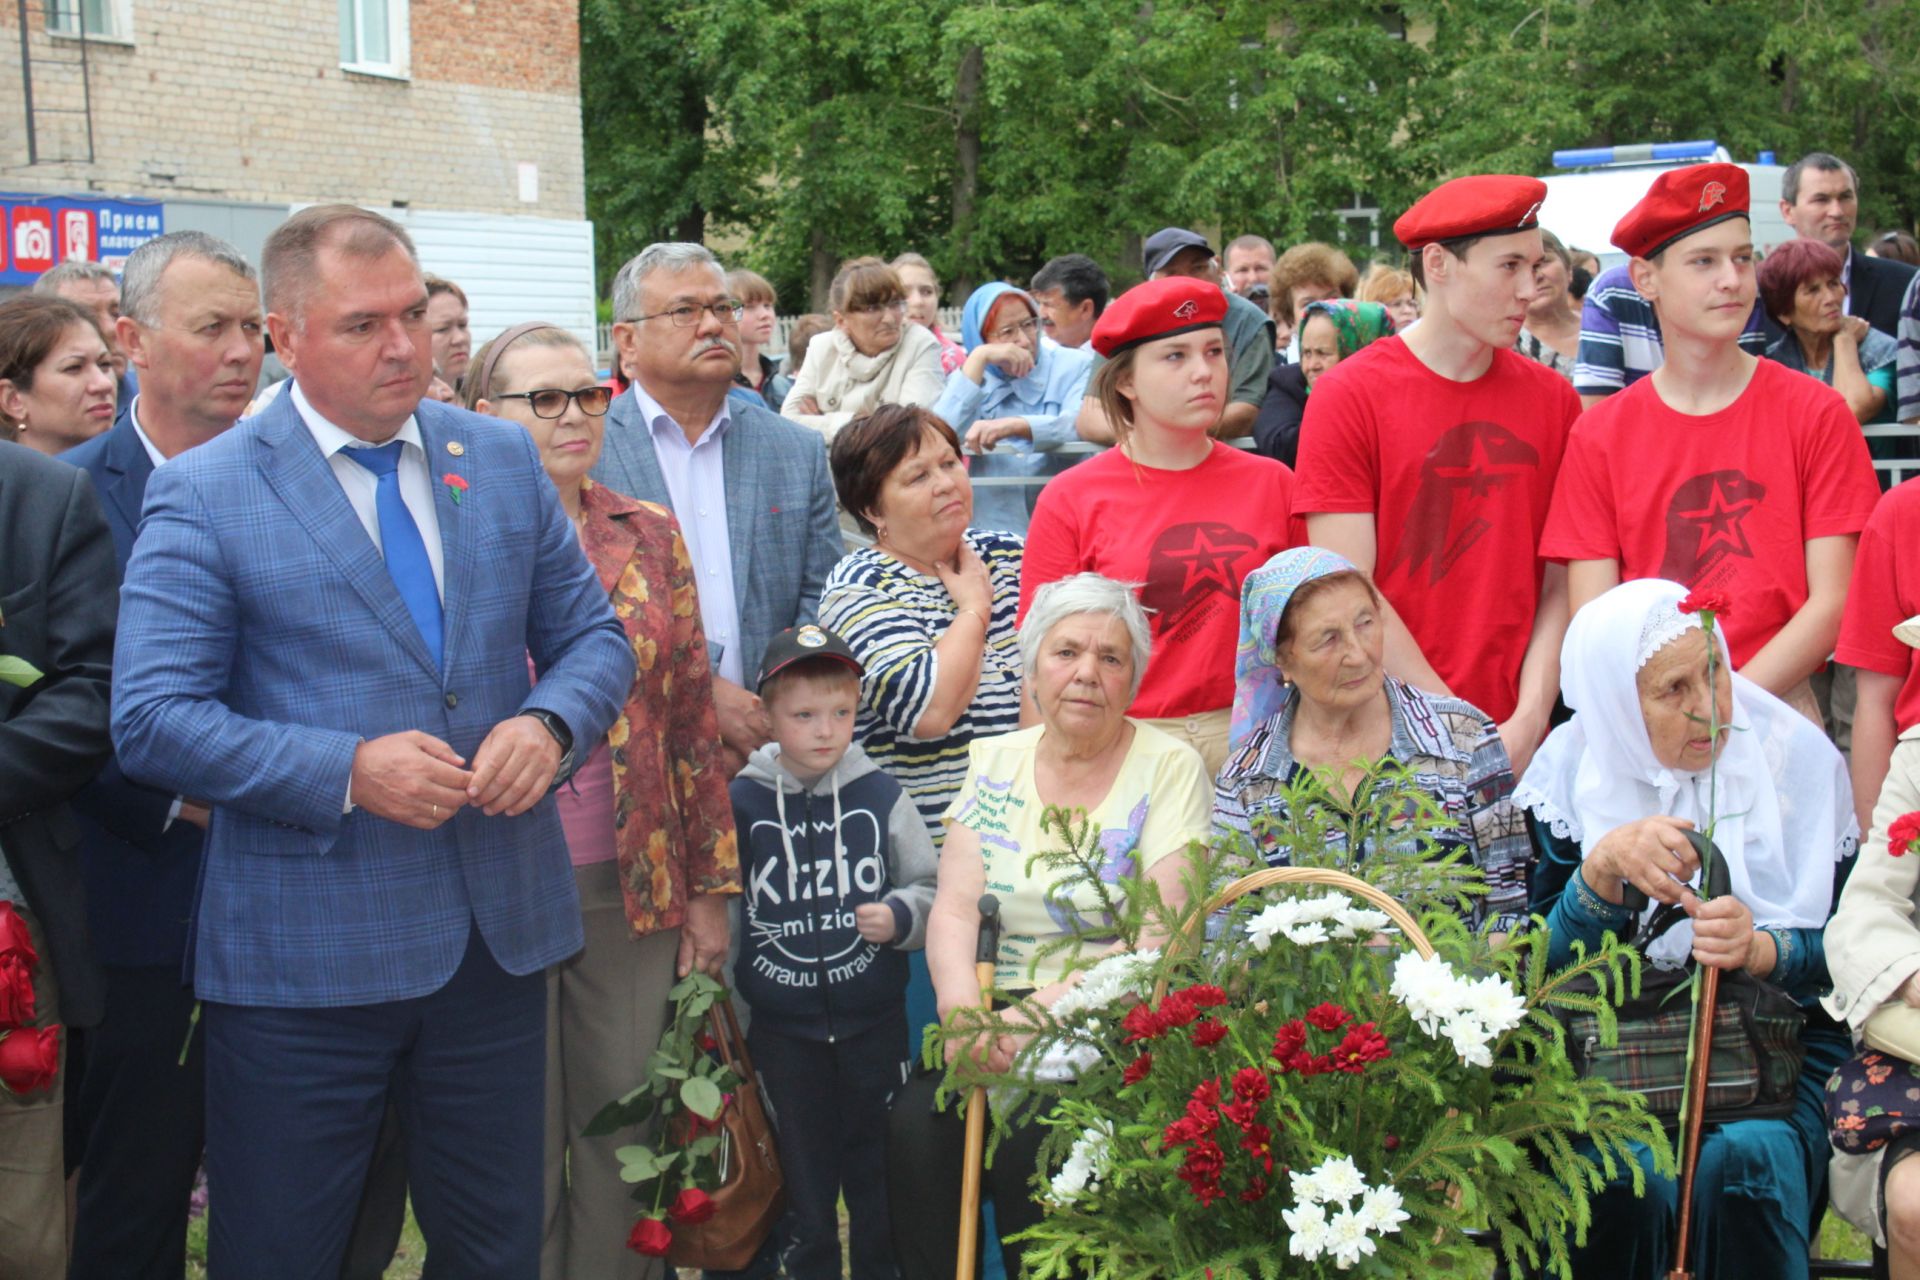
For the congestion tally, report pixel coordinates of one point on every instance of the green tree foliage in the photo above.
(992, 134)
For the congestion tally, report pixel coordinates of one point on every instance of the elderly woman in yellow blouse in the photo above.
(1084, 645)
(647, 815)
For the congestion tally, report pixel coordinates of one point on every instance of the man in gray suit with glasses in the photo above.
(750, 489)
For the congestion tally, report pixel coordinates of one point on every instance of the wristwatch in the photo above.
(554, 725)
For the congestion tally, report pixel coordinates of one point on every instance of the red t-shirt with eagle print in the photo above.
(1721, 501)
(1188, 537)
(1458, 477)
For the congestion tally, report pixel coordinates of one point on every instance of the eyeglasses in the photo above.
(551, 402)
(897, 305)
(1019, 328)
(687, 315)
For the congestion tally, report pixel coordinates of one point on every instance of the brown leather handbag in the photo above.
(753, 1192)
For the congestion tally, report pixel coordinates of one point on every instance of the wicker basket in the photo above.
(1258, 880)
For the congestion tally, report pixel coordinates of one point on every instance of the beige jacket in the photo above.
(1873, 941)
(846, 384)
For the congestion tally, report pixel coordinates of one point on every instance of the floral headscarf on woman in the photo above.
(1258, 691)
(1355, 323)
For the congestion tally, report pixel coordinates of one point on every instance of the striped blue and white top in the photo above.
(892, 616)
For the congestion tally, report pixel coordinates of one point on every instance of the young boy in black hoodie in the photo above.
(840, 874)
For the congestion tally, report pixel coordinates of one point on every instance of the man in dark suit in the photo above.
(58, 592)
(1820, 199)
(325, 637)
(191, 325)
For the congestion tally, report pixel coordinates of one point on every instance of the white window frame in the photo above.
(399, 45)
(60, 24)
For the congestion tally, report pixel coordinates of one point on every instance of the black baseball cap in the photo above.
(1163, 244)
(796, 644)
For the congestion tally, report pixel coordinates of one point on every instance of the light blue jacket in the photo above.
(1048, 398)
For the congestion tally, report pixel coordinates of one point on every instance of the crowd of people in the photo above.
(394, 736)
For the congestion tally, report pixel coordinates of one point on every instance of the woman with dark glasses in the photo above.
(647, 815)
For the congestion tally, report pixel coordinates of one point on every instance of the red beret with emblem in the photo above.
(1158, 309)
(1681, 202)
(1484, 204)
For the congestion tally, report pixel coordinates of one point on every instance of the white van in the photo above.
(1593, 188)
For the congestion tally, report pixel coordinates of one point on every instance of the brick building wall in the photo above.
(217, 100)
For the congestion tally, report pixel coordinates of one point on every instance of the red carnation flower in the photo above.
(1178, 1134)
(1205, 995)
(1208, 1092)
(1713, 602)
(1289, 1039)
(1137, 1069)
(1201, 1171)
(1901, 835)
(1258, 1143)
(1256, 1190)
(1251, 1082)
(29, 1058)
(1242, 1112)
(1209, 1033)
(651, 1237)
(692, 1207)
(1328, 1017)
(1361, 1045)
(1177, 1010)
(1142, 1023)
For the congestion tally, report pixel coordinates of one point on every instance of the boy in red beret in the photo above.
(1718, 470)
(1429, 458)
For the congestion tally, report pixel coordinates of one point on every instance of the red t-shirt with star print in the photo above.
(1189, 537)
(1457, 477)
(1724, 501)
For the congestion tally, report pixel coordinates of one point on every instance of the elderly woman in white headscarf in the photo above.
(1611, 795)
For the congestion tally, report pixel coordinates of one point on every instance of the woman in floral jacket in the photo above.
(647, 814)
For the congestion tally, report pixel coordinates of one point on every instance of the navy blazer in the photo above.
(139, 878)
(57, 608)
(261, 640)
(1876, 287)
(783, 528)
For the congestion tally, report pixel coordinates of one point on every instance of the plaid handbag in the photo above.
(1757, 1054)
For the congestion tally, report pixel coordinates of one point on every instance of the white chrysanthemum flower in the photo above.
(1338, 1179)
(1347, 1239)
(1428, 988)
(1126, 973)
(1470, 1041)
(1307, 1224)
(1360, 922)
(1086, 1164)
(1495, 1004)
(1306, 934)
(1380, 1210)
(1306, 1185)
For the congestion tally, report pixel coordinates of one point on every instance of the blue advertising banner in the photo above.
(42, 230)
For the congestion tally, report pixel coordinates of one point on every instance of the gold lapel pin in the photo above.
(455, 448)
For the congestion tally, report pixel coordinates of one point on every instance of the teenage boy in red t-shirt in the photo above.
(1718, 470)
(1429, 461)
(1884, 595)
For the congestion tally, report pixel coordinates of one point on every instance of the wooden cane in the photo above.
(1697, 1073)
(985, 955)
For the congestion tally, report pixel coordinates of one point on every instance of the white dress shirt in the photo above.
(157, 458)
(697, 491)
(361, 485)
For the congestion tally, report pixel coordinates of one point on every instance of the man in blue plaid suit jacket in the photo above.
(328, 641)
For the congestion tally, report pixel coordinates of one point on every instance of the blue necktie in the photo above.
(406, 551)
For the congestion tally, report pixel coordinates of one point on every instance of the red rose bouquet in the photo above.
(680, 1101)
(29, 1055)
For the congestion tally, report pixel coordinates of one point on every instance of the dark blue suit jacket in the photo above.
(139, 879)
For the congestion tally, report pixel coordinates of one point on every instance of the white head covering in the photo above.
(1779, 789)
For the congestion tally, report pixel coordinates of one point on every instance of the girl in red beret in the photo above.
(1170, 508)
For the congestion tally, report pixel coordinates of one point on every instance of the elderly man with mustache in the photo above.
(750, 489)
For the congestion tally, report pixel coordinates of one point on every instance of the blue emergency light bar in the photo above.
(1636, 153)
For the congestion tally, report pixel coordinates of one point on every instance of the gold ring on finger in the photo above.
(436, 811)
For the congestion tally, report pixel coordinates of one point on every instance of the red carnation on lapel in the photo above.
(1901, 835)
(456, 486)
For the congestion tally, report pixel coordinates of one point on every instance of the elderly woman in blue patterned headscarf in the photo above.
(1012, 401)
(1311, 693)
